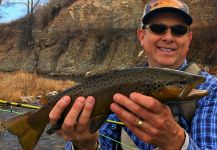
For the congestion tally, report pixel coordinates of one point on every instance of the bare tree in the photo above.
(27, 37)
(7, 3)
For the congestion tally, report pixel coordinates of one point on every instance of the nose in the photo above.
(168, 37)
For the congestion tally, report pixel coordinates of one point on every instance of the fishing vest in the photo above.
(186, 110)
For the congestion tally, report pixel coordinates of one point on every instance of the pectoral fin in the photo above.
(185, 91)
(55, 127)
(96, 123)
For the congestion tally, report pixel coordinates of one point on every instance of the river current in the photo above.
(9, 141)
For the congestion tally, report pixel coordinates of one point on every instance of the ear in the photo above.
(190, 35)
(140, 35)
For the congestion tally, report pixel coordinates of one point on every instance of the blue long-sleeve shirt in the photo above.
(202, 130)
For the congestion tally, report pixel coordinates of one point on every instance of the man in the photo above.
(165, 36)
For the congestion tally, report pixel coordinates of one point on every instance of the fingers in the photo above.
(147, 118)
(148, 102)
(76, 121)
(79, 115)
(142, 101)
(137, 107)
(130, 105)
(129, 118)
(123, 113)
(144, 135)
(85, 114)
(71, 118)
(56, 112)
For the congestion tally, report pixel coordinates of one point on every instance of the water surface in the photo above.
(10, 142)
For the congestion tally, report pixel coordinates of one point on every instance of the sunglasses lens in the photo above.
(179, 30)
(158, 28)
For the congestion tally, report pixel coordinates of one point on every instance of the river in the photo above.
(10, 142)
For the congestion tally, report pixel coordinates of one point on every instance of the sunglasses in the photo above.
(160, 29)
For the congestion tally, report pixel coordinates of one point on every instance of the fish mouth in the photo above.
(195, 94)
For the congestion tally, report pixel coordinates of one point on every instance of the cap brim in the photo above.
(183, 14)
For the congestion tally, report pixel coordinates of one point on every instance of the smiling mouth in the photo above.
(166, 49)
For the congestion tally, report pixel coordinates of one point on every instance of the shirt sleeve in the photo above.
(184, 146)
(203, 135)
(108, 134)
(186, 143)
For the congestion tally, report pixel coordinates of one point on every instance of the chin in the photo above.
(167, 64)
(163, 62)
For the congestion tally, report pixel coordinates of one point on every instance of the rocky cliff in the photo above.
(97, 35)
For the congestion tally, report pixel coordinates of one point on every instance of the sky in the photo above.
(14, 12)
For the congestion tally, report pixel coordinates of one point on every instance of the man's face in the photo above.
(165, 50)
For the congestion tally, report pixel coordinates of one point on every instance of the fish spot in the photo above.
(167, 84)
(183, 82)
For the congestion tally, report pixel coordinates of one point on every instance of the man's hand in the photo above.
(150, 120)
(75, 125)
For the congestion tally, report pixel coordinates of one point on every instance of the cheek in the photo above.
(185, 47)
(149, 42)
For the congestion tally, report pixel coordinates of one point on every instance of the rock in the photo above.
(99, 35)
(27, 99)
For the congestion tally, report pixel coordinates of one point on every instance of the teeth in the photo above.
(166, 49)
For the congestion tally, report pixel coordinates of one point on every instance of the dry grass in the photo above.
(16, 84)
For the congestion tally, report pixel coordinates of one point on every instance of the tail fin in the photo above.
(28, 135)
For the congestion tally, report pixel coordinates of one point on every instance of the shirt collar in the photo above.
(183, 65)
(180, 68)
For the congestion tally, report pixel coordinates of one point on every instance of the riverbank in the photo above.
(19, 85)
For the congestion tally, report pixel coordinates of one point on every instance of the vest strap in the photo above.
(188, 109)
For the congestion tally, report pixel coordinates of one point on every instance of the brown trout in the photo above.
(166, 85)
